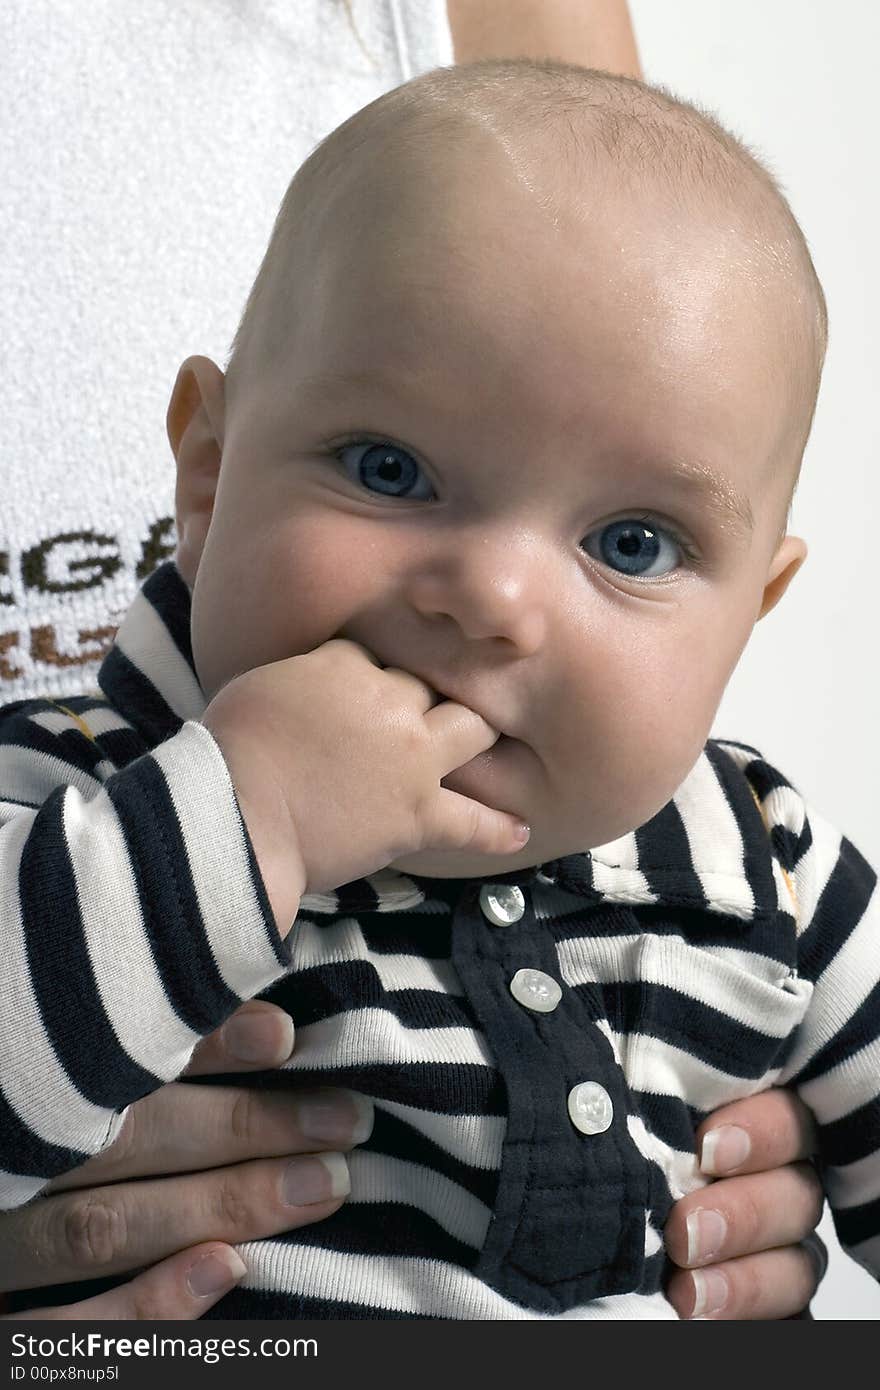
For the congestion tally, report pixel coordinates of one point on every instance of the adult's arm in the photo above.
(594, 33)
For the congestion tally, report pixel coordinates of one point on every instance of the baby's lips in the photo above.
(442, 695)
(441, 692)
(495, 761)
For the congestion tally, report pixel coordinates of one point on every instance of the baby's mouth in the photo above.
(444, 695)
(441, 694)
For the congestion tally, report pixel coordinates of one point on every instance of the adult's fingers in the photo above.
(744, 1215)
(762, 1132)
(746, 1242)
(180, 1289)
(775, 1284)
(258, 1035)
(108, 1230)
(183, 1129)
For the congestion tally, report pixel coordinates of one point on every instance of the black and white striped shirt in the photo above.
(728, 945)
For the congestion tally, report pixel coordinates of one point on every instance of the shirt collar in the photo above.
(708, 849)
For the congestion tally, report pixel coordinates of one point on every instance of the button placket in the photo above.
(568, 1217)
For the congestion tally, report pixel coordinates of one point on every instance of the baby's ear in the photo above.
(195, 422)
(789, 557)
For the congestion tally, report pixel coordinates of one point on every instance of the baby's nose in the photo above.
(489, 588)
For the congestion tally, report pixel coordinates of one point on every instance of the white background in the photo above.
(796, 79)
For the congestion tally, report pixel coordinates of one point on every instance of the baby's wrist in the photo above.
(277, 851)
(266, 814)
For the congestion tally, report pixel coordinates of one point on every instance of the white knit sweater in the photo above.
(145, 150)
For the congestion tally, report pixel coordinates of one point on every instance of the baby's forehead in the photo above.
(662, 235)
(423, 203)
(556, 151)
(421, 185)
(484, 234)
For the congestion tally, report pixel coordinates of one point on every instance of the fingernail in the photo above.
(314, 1178)
(215, 1273)
(725, 1149)
(711, 1290)
(337, 1117)
(706, 1230)
(259, 1036)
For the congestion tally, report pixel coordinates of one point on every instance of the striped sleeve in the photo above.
(133, 920)
(835, 1065)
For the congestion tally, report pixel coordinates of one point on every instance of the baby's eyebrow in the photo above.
(398, 383)
(712, 491)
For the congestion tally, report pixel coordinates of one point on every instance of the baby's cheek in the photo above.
(312, 592)
(622, 753)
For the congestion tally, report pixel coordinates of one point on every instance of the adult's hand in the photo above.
(244, 1164)
(745, 1244)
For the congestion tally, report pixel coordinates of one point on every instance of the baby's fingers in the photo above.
(458, 734)
(458, 822)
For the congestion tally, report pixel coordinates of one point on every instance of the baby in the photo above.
(472, 535)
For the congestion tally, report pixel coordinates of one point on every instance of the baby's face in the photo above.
(488, 457)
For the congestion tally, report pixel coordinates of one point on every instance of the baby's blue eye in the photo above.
(635, 547)
(385, 468)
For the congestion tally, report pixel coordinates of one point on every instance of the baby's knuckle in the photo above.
(90, 1231)
(471, 826)
(420, 829)
(414, 738)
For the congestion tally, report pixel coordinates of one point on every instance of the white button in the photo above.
(536, 990)
(590, 1108)
(502, 903)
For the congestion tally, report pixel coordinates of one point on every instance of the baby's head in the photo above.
(518, 402)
